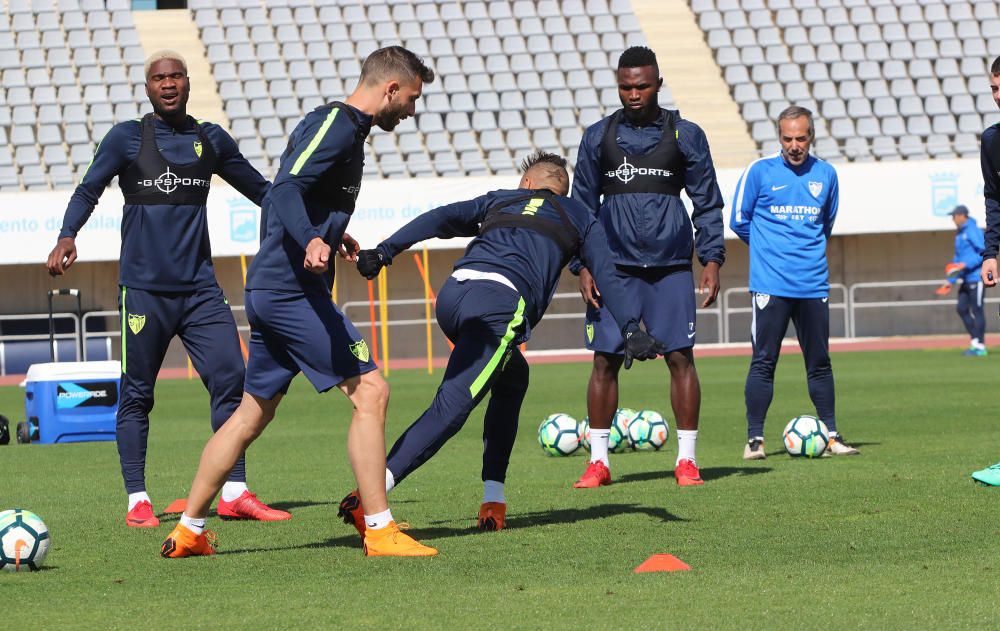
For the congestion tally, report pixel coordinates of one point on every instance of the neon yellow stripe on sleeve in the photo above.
(304, 156)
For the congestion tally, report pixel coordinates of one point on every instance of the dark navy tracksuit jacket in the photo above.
(487, 318)
(167, 281)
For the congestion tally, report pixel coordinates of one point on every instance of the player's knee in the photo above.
(373, 391)
(606, 367)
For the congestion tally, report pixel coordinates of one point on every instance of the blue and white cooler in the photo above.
(71, 402)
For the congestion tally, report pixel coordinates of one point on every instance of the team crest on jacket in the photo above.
(360, 350)
(197, 148)
(136, 322)
(815, 188)
(762, 300)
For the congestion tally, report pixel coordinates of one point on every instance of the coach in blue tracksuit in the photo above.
(498, 292)
(968, 261)
(164, 163)
(630, 170)
(784, 209)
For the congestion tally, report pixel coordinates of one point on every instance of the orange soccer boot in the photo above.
(182, 542)
(391, 541)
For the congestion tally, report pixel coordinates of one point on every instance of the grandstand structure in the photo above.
(888, 80)
(895, 84)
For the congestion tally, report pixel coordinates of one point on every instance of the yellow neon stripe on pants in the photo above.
(124, 315)
(484, 376)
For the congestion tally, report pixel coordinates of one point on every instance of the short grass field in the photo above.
(897, 538)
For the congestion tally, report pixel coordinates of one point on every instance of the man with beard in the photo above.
(164, 163)
(295, 327)
(630, 171)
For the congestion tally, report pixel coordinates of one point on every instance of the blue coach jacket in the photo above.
(969, 250)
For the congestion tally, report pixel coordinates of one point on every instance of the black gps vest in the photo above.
(563, 232)
(339, 186)
(659, 171)
(152, 180)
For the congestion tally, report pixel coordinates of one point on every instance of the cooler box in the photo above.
(72, 402)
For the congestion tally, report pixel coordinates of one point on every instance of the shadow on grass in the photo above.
(707, 473)
(782, 452)
(515, 521)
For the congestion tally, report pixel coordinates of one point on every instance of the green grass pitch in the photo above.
(896, 538)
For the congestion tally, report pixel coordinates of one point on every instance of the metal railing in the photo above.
(849, 300)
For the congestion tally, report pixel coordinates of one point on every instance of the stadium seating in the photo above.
(67, 73)
(512, 75)
(888, 80)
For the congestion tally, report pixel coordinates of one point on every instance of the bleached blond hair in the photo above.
(164, 54)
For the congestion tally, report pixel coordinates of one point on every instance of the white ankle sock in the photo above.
(493, 492)
(599, 445)
(135, 498)
(390, 481)
(378, 521)
(687, 439)
(197, 526)
(232, 490)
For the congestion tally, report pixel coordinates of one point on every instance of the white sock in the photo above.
(135, 498)
(390, 481)
(687, 439)
(978, 344)
(599, 445)
(197, 526)
(231, 491)
(493, 492)
(378, 521)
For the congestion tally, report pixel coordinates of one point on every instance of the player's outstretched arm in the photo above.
(460, 219)
(114, 153)
(234, 168)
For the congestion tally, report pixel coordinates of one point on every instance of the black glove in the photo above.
(370, 263)
(642, 346)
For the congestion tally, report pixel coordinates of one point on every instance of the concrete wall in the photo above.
(853, 259)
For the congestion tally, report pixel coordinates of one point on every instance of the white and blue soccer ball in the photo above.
(24, 540)
(618, 441)
(806, 436)
(648, 431)
(559, 435)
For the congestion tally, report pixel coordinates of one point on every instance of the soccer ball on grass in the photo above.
(24, 540)
(559, 435)
(648, 431)
(806, 436)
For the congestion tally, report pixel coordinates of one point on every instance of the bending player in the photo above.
(295, 325)
(497, 293)
(164, 163)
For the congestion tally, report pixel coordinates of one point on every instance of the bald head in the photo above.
(545, 170)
